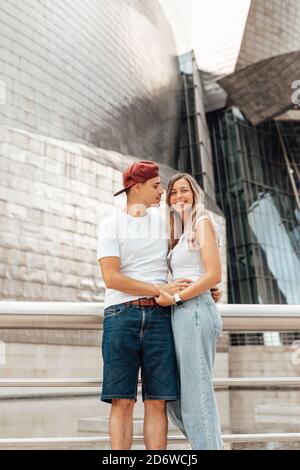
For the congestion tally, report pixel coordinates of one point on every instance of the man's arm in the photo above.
(217, 293)
(113, 279)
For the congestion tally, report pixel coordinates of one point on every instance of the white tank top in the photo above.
(186, 262)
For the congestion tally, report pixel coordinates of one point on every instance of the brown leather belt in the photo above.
(144, 302)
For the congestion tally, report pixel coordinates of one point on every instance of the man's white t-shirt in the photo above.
(141, 243)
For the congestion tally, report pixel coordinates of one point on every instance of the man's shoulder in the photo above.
(157, 214)
(111, 218)
(108, 226)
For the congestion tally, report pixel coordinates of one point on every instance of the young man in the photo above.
(137, 333)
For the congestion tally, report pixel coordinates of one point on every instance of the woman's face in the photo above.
(181, 195)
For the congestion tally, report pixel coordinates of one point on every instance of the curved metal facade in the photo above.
(268, 61)
(272, 28)
(103, 72)
(263, 90)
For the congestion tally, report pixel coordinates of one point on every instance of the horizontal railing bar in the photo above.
(52, 308)
(94, 382)
(256, 382)
(263, 437)
(96, 308)
(98, 440)
(49, 382)
(85, 315)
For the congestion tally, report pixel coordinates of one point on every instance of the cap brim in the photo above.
(120, 192)
(124, 189)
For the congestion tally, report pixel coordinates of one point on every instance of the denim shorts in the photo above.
(137, 338)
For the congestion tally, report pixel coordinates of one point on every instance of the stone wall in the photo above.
(51, 196)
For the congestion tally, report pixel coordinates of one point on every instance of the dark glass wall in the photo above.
(194, 150)
(103, 72)
(263, 221)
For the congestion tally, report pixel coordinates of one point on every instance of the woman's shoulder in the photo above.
(215, 226)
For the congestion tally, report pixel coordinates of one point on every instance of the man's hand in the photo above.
(216, 293)
(164, 299)
(175, 287)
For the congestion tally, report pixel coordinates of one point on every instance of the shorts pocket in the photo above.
(114, 310)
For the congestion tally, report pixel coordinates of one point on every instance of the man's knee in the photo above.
(159, 405)
(123, 405)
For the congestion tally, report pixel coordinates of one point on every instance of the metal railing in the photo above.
(89, 316)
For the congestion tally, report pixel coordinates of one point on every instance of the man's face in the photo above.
(151, 192)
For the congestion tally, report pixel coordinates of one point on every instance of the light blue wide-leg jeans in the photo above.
(196, 325)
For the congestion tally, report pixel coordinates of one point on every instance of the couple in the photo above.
(166, 329)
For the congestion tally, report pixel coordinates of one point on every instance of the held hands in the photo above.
(175, 287)
(164, 299)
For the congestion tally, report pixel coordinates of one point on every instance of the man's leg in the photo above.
(121, 424)
(155, 424)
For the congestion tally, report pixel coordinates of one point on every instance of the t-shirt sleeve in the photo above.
(108, 240)
(215, 227)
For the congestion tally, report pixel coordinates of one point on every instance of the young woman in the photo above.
(196, 322)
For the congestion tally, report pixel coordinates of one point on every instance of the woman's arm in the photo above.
(211, 261)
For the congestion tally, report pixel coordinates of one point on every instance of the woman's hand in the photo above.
(174, 287)
(164, 299)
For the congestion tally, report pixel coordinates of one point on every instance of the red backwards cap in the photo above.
(139, 172)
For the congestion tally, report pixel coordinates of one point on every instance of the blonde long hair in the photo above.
(197, 210)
